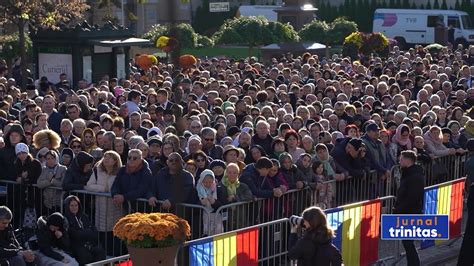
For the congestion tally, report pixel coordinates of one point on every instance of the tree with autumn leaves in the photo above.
(31, 15)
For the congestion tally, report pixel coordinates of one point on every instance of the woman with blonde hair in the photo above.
(314, 247)
(106, 212)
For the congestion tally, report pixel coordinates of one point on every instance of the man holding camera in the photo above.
(11, 253)
(410, 197)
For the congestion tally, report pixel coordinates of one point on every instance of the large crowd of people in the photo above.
(220, 132)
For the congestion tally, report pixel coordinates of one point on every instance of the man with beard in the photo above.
(172, 184)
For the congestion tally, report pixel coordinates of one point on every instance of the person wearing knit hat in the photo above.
(21, 147)
(218, 168)
(78, 173)
(154, 131)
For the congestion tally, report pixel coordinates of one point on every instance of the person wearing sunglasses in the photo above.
(132, 179)
(172, 184)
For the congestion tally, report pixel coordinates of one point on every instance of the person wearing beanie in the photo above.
(218, 168)
(79, 172)
(67, 156)
(53, 241)
(13, 136)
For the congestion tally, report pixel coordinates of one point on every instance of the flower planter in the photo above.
(153, 256)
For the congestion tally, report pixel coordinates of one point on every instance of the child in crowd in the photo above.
(325, 189)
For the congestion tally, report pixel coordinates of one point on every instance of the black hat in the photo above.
(372, 127)
(232, 131)
(356, 143)
(17, 128)
(56, 219)
(103, 108)
(84, 158)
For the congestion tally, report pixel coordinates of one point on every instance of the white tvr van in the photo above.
(417, 26)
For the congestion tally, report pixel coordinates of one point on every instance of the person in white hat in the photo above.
(27, 169)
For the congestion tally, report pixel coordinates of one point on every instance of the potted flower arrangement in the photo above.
(365, 43)
(152, 238)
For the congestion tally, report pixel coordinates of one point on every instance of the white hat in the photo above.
(154, 130)
(21, 147)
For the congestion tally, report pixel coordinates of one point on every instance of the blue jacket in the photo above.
(176, 189)
(132, 186)
(259, 185)
(352, 166)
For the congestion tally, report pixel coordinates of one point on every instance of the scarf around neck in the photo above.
(231, 187)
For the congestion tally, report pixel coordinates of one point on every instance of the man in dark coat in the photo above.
(11, 252)
(410, 197)
(172, 184)
(466, 254)
(255, 177)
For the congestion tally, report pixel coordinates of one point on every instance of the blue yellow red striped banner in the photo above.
(356, 226)
(231, 249)
(445, 199)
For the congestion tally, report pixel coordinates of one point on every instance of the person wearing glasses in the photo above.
(209, 145)
(132, 179)
(171, 185)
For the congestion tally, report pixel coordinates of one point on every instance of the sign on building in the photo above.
(52, 65)
(219, 7)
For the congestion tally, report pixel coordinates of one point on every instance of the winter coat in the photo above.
(411, 191)
(8, 155)
(259, 185)
(81, 231)
(292, 175)
(9, 245)
(311, 250)
(32, 166)
(350, 166)
(52, 196)
(176, 189)
(75, 178)
(47, 240)
(106, 212)
(243, 194)
(132, 185)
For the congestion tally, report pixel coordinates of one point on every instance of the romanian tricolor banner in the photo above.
(356, 226)
(231, 249)
(445, 199)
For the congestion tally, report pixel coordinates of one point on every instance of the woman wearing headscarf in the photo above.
(82, 234)
(207, 192)
(66, 158)
(52, 175)
(466, 133)
(434, 143)
(231, 190)
(400, 142)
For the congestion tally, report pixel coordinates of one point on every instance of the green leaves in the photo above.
(186, 35)
(10, 46)
(254, 31)
(331, 34)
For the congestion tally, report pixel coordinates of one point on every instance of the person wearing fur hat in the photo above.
(46, 138)
(13, 136)
(52, 175)
(53, 241)
(79, 172)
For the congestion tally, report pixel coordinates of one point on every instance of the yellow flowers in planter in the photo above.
(151, 230)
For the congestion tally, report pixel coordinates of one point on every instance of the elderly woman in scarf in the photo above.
(207, 192)
(52, 175)
(231, 190)
(400, 142)
(434, 143)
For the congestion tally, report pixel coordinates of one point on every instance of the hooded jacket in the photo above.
(9, 245)
(47, 240)
(75, 178)
(81, 230)
(7, 154)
